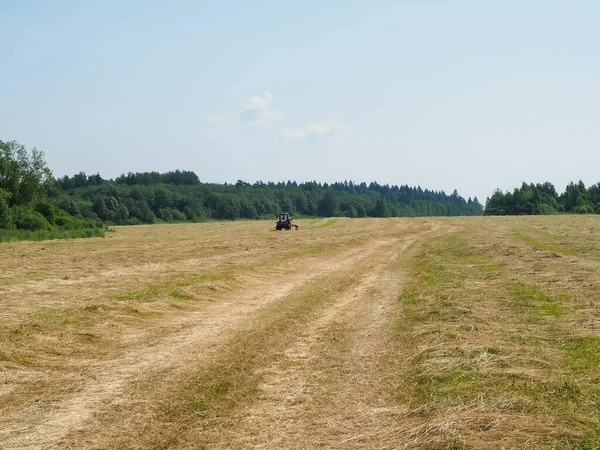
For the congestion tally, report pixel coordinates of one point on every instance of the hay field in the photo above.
(349, 333)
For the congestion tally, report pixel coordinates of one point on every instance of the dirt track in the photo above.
(308, 386)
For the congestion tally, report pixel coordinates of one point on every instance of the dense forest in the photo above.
(33, 200)
(544, 199)
(180, 196)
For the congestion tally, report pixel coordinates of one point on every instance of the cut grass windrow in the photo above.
(196, 407)
(492, 351)
(207, 281)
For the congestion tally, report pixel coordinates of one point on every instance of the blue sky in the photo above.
(469, 95)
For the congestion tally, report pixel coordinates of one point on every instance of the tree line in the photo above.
(32, 199)
(542, 198)
(177, 196)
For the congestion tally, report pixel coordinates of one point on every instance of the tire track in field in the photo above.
(329, 389)
(194, 337)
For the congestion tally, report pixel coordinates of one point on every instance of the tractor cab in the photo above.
(284, 222)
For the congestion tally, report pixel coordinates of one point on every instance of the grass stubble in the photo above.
(439, 333)
(61, 334)
(502, 343)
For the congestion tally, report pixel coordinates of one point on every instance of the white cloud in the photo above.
(309, 133)
(260, 110)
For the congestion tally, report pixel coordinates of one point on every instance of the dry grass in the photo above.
(499, 356)
(374, 333)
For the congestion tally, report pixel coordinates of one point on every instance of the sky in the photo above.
(467, 95)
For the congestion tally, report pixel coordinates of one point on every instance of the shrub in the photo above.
(171, 215)
(50, 212)
(178, 216)
(28, 219)
(544, 209)
(69, 205)
(584, 209)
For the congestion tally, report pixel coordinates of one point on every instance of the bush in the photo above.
(71, 223)
(178, 216)
(28, 219)
(50, 212)
(584, 209)
(165, 215)
(544, 209)
(70, 206)
(171, 215)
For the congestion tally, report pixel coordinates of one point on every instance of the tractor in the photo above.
(284, 222)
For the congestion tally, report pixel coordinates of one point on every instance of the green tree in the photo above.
(69, 205)
(352, 211)
(381, 209)
(328, 206)
(23, 174)
(5, 214)
(100, 209)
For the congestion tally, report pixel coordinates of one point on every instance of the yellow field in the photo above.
(349, 333)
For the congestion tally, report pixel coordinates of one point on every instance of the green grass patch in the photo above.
(446, 386)
(43, 235)
(93, 308)
(583, 354)
(576, 442)
(532, 297)
(484, 264)
(434, 273)
(179, 295)
(492, 351)
(564, 397)
(209, 277)
(327, 223)
(199, 405)
(410, 307)
(477, 335)
(56, 317)
(408, 298)
(539, 245)
(141, 295)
